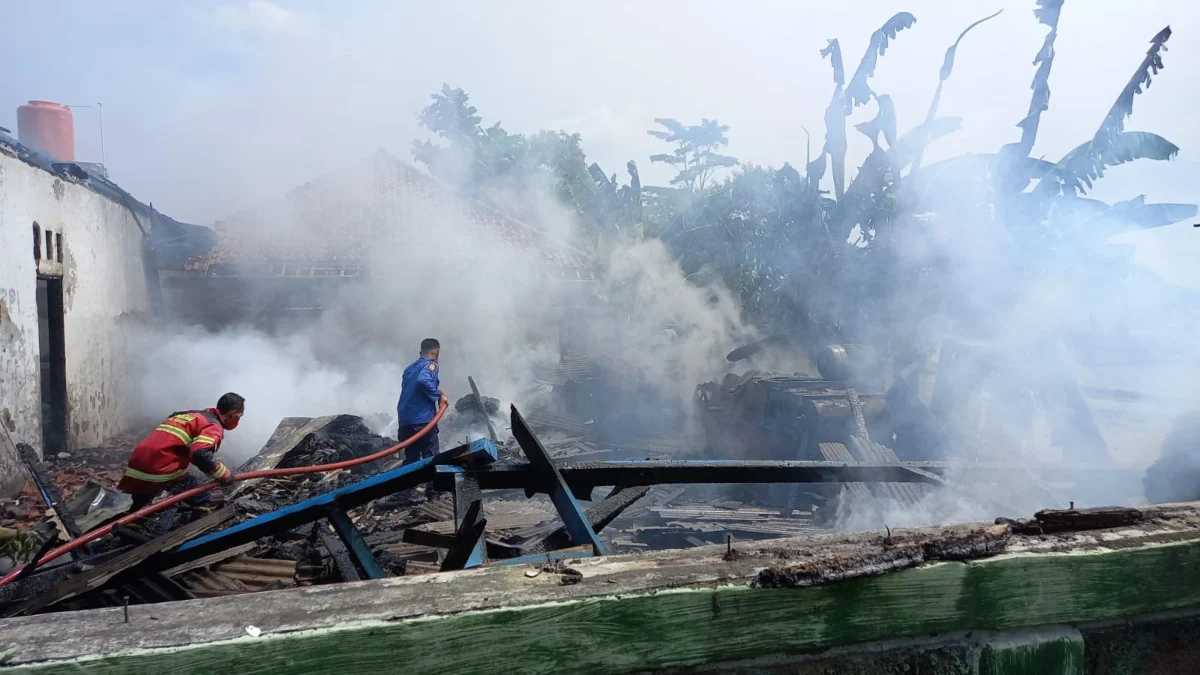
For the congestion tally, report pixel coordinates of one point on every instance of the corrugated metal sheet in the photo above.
(240, 574)
(258, 572)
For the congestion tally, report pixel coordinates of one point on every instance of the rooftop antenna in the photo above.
(100, 111)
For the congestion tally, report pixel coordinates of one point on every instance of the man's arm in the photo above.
(429, 386)
(204, 449)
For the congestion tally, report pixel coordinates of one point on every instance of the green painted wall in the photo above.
(682, 628)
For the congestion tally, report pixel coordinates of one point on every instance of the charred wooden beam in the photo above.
(468, 539)
(355, 543)
(583, 477)
(468, 517)
(483, 410)
(576, 523)
(495, 550)
(1075, 520)
(339, 554)
(46, 488)
(599, 515)
(125, 566)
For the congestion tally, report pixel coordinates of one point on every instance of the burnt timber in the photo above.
(977, 598)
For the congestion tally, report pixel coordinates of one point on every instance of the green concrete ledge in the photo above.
(671, 609)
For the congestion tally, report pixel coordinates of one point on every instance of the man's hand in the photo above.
(443, 401)
(227, 479)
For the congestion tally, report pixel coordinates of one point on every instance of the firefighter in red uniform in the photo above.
(160, 462)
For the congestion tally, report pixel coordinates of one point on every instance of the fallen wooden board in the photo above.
(102, 574)
(671, 609)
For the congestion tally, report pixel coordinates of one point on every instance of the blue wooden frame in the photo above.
(474, 454)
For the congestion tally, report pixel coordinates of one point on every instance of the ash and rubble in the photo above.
(582, 413)
(666, 517)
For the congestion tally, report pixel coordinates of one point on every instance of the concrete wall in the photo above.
(104, 289)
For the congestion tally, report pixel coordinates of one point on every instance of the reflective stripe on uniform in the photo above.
(154, 477)
(220, 472)
(204, 440)
(176, 432)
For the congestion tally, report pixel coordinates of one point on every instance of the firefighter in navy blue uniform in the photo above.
(419, 401)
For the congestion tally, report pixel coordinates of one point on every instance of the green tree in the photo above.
(509, 170)
(695, 157)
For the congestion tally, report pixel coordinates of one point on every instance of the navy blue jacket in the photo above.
(419, 393)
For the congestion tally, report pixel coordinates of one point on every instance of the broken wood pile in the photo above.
(404, 532)
(386, 518)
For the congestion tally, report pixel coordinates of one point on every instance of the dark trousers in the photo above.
(426, 446)
(187, 482)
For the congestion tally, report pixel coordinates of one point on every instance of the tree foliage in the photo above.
(944, 74)
(793, 254)
(509, 170)
(1112, 145)
(695, 157)
(847, 97)
(858, 263)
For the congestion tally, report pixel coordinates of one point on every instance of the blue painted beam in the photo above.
(474, 454)
(578, 527)
(355, 543)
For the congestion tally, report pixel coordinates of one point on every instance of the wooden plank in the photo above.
(661, 610)
(468, 540)
(572, 515)
(355, 543)
(469, 526)
(483, 410)
(124, 563)
(55, 505)
(210, 560)
(338, 553)
(599, 515)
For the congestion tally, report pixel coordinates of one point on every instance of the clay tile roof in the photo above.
(386, 195)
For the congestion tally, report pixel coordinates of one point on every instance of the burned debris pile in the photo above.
(367, 521)
(554, 486)
(344, 438)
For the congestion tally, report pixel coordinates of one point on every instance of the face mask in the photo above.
(231, 423)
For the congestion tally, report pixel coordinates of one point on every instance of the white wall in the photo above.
(105, 294)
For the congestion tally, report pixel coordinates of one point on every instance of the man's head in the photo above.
(230, 408)
(430, 348)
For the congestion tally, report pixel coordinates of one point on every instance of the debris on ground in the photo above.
(408, 532)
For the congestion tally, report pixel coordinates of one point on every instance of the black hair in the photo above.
(429, 344)
(230, 402)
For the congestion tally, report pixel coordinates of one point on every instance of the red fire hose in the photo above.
(264, 473)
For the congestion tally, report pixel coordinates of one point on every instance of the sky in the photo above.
(210, 107)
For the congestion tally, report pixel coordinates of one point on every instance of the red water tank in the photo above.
(48, 127)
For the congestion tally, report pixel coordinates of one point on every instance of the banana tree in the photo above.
(846, 97)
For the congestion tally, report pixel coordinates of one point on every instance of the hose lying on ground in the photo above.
(95, 534)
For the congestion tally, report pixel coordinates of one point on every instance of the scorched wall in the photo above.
(104, 294)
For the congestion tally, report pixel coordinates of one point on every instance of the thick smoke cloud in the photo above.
(498, 319)
(495, 307)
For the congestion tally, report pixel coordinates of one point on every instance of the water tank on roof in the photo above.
(47, 127)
